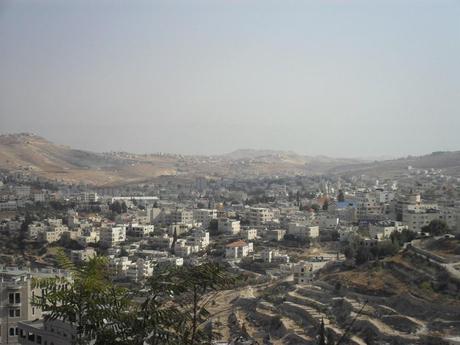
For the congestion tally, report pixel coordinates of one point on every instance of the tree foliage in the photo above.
(436, 227)
(170, 309)
(87, 300)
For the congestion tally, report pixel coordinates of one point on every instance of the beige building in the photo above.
(52, 332)
(259, 215)
(16, 293)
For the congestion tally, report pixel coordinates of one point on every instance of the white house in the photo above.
(237, 250)
(303, 230)
(229, 226)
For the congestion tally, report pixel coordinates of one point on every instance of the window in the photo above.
(14, 312)
(31, 336)
(11, 331)
(16, 330)
(39, 339)
(11, 297)
(17, 297)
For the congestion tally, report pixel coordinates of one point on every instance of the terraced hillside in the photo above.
(386, 304)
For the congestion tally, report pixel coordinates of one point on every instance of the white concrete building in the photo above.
(275, 235)
(199, 238)
(204, 216)
(82, 254)
(249, 234)
(303, 230)
(416, 219)
(139, 230)
(238, 250)
(382, 230)
(229, 226)
(113, 236)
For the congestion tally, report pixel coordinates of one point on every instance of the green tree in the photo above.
(87, 300)
(176, 301)
(115, 207)
(436, 227)
(201, 284)
(341, 196)
(315, 207)
(124, 208)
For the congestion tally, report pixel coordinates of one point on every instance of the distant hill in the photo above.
(252, 154)
(448, 161)
(32, 153)
(40, 157)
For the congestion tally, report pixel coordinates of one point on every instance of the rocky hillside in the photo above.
(40, 157)
(36, 155)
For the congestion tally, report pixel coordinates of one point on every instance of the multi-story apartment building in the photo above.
(259, 215)
(416, 214)
(179, 216)
(16, 294)
(303, 230)
(229, 226)
(139, 231)
(369, 207)
(204, 216)
(249, 234)
(449, 215)
(199, 238)
(275, 234)
(113, 236)
(54, 233)
(417, 219)
(163, 242)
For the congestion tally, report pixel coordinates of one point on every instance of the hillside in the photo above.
(36, 155)
(449, 162)
(40, 157)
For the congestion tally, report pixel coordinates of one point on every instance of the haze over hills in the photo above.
(40, 157)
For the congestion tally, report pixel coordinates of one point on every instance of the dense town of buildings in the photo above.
(239, 222)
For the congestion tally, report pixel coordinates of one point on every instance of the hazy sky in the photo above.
(334, 77)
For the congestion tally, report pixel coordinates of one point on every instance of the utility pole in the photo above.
(351, 324)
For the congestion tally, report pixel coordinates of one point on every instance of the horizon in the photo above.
(328, 78)
(274, 151)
